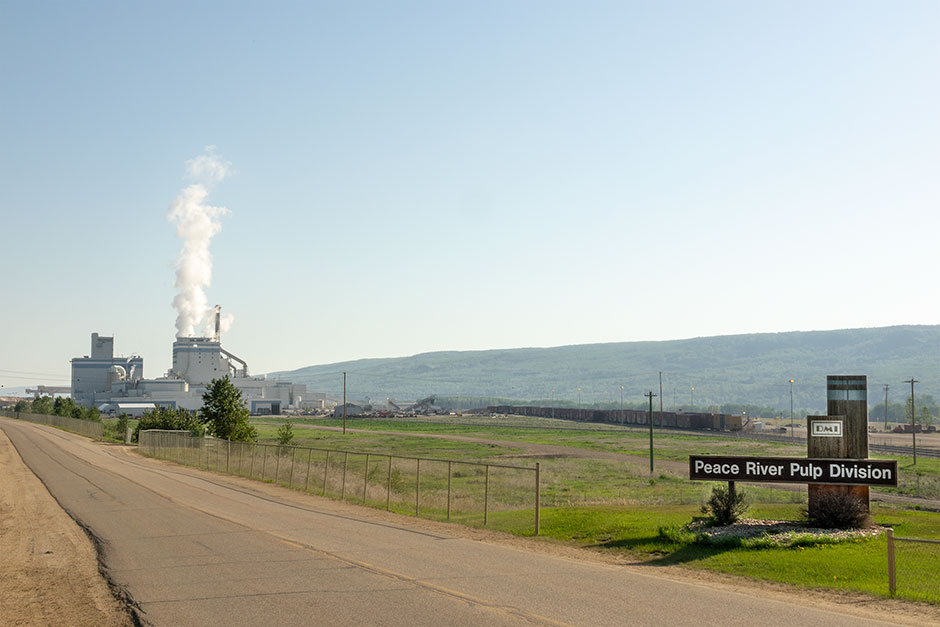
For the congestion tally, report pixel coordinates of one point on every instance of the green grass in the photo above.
(615, 506)
(403, 445)
(110, 430)
(649, 534)
(922, 480)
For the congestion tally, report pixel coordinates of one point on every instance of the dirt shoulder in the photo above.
(49, 571)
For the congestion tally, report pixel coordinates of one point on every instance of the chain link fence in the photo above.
(462, 491)
(89, 428)
(914, 568)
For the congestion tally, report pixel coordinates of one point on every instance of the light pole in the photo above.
(580, 413)
(621, 404)
(792, 436)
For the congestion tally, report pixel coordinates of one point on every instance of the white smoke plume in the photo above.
(225, 323)
(196, 223)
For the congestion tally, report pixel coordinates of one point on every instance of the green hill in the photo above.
(748, 369)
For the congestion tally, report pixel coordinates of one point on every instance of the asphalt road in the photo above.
(196, 548)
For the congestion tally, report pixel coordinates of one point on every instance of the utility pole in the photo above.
(792, 436)
(692, 397)
(345, 409)
(651, 395)
(580, 413)
(660, 399)
(553, 403)
(886, 406)
(912, 381)
(621, 404)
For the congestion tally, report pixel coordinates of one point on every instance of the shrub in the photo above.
(172, 419)
(285, 434)
(837, 509)
(724, 507)
(122, 425)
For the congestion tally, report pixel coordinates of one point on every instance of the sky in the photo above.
(419, 176)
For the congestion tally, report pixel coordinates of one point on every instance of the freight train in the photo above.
(677, 420)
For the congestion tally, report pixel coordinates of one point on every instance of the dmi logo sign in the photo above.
(827, 428)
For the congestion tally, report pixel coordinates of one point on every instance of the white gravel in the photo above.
(781, 532)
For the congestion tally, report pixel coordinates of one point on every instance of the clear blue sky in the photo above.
(419, 176)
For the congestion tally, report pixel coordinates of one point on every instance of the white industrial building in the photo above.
(118, 384)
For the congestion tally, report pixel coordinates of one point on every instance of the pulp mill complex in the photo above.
(117, 384)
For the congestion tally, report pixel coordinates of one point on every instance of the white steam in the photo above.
(196, 223)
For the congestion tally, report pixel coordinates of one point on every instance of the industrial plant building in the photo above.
(117, 384)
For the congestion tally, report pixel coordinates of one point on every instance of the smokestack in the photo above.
(218, 323)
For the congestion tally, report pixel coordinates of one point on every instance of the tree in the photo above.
(926, 417)
(63, 406)
(42, 405)
(285, 433)
(224, 414)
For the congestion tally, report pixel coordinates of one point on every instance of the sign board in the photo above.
(794, 470)
(827, 428)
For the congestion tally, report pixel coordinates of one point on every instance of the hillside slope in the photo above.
(752, 369)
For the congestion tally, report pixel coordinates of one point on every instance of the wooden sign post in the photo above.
(843, 434)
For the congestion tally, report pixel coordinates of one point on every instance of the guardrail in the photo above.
(912, 566)
(88, 428)
(432, 488)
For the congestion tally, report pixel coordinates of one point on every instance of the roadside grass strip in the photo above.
(661, 536)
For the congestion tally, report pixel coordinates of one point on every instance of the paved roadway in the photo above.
(196, 548)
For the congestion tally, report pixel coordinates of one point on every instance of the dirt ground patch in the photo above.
(49, 571)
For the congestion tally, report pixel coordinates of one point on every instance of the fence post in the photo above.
(264, 461)
(326, 470)
(251, 467)
(538, 497)
(365, 481)
(293, 455)
(342, 495)
(277, 465)
(228, 454)
(891, 573)
(307, 477)
(417, 485)
(486, 495)
(449, 464)
(388, 486)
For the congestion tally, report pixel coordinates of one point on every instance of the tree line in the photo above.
(223, 413)
(58, 406)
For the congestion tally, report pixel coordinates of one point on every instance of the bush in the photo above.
(724, 507)
(122, 425)
(838, 509)
(172, 419)
(285, 434)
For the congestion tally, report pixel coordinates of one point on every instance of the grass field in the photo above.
(616, 506)
(922, 480)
